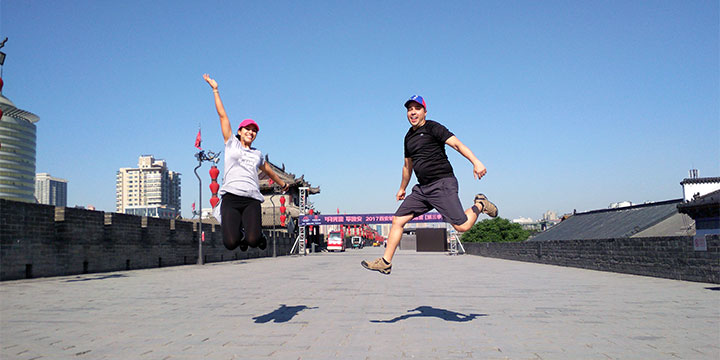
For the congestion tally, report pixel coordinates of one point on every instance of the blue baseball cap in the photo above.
(418, 99)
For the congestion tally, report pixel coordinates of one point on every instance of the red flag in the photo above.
(193, 206)
(198, 140)
(338, 210)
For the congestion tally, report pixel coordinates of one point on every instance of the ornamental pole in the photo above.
(202, 156)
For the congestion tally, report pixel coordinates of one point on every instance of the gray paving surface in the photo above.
(326, 306)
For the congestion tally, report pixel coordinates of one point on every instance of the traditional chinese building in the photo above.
(272, 193)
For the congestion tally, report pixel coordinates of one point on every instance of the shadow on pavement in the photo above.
(429, 311)
(102, 277)
(282, 314)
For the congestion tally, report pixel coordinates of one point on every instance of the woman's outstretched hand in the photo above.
(213, 84)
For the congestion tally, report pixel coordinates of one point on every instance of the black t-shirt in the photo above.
(426, 147)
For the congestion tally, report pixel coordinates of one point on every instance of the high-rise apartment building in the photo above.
(148, 190)
(50, 190)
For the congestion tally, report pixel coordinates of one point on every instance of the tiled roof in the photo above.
(286, 177)
(610, 223)
(707, 205)
(700, 180)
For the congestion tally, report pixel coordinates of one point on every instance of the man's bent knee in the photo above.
(401, 220)
(463, 227)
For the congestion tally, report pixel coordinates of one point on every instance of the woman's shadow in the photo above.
(282, 314)
(429, 311)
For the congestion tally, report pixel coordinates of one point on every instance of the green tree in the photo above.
(495, 230)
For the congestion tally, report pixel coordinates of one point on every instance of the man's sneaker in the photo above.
(378, 265)
(485, 206)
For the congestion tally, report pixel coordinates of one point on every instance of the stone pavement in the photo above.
(325, 306)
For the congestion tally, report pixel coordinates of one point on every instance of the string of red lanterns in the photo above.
(214, 186)
(282, 211)
(311, 211)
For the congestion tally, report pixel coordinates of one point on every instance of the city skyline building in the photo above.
(50, 190)
(150, 189)
(18, 135)
(550, 215)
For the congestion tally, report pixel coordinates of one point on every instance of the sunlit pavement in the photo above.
(326, 306)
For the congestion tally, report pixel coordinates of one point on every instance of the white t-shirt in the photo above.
(241, 170)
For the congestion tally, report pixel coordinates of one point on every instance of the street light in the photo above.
(202, 156)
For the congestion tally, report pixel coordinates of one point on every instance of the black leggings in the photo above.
(240, 212)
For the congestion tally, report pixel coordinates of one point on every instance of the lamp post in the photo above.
(273, 221)
(202, 156)
(2, 55)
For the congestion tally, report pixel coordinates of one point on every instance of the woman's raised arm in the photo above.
(224, 121)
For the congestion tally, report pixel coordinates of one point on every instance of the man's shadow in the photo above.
(99, 277)
(282, 314)
(429, 311)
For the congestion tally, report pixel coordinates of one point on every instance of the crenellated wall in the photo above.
(665, 257)
(42, 240)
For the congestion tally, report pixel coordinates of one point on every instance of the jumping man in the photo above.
(437, 186)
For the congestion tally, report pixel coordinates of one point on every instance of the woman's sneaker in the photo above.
(243, 243)
(262, 243)
(377, 265)
(485, 206)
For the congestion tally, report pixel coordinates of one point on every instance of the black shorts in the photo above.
(441, 195)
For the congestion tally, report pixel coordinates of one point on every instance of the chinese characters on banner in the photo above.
(360, 219)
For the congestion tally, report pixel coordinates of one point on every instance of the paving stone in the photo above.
(325, 306)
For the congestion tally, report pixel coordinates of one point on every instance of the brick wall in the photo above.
(665, 257)
(42, 240)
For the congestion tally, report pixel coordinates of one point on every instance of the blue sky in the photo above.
(569, 104)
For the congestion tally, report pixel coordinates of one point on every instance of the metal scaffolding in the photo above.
(301, 240)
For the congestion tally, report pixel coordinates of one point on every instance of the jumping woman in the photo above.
(240, 193)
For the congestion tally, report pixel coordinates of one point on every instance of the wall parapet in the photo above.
(41, 240)
(665, 257)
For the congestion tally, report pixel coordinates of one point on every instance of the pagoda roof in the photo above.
(287, 177)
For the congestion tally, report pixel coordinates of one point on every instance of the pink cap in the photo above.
(248, 122)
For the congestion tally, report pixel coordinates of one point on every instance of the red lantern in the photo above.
(214, 200)
(282, 209)
(282, 219)
(311, 211)
(214, 172)
(214, 187)
(282, 200)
